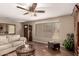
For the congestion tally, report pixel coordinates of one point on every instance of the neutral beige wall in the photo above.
(66, 26)
(11, 21)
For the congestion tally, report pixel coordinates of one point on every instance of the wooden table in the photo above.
(23, 51)
(53, 45)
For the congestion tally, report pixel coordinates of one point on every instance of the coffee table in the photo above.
(25, 51)
(54, 45)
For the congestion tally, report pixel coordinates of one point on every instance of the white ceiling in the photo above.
(51, 10)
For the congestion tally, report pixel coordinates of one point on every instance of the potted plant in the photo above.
(69, 42)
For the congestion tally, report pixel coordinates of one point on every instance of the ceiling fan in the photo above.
(31, 9)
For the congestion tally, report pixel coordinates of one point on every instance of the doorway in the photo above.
(28, 32)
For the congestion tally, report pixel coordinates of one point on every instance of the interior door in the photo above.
(26, 31)
(30, 32)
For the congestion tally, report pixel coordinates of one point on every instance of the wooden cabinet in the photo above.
(28, 32)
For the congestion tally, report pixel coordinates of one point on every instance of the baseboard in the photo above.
(46, 43)
(40, 41)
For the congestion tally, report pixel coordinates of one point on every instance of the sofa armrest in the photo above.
(23, 39)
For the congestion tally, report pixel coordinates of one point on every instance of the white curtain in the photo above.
(49, 30)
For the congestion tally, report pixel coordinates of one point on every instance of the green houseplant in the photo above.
(69, 42)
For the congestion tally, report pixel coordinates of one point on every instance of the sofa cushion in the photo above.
(3, 39)
(13, 38)
(23, 39)
(5, 46)
(17, 43)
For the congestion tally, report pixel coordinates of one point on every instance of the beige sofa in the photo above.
(9, 43)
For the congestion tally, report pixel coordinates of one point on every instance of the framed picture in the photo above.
(11, 29)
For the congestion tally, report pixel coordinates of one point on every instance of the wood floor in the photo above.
(42, 50)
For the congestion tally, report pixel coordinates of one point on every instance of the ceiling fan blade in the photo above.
(40, 11)
(26, 13)
(21, 8)
(34, 5)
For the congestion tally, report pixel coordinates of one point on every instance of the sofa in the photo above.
(9, 43)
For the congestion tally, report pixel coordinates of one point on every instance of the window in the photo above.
(49, 30)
